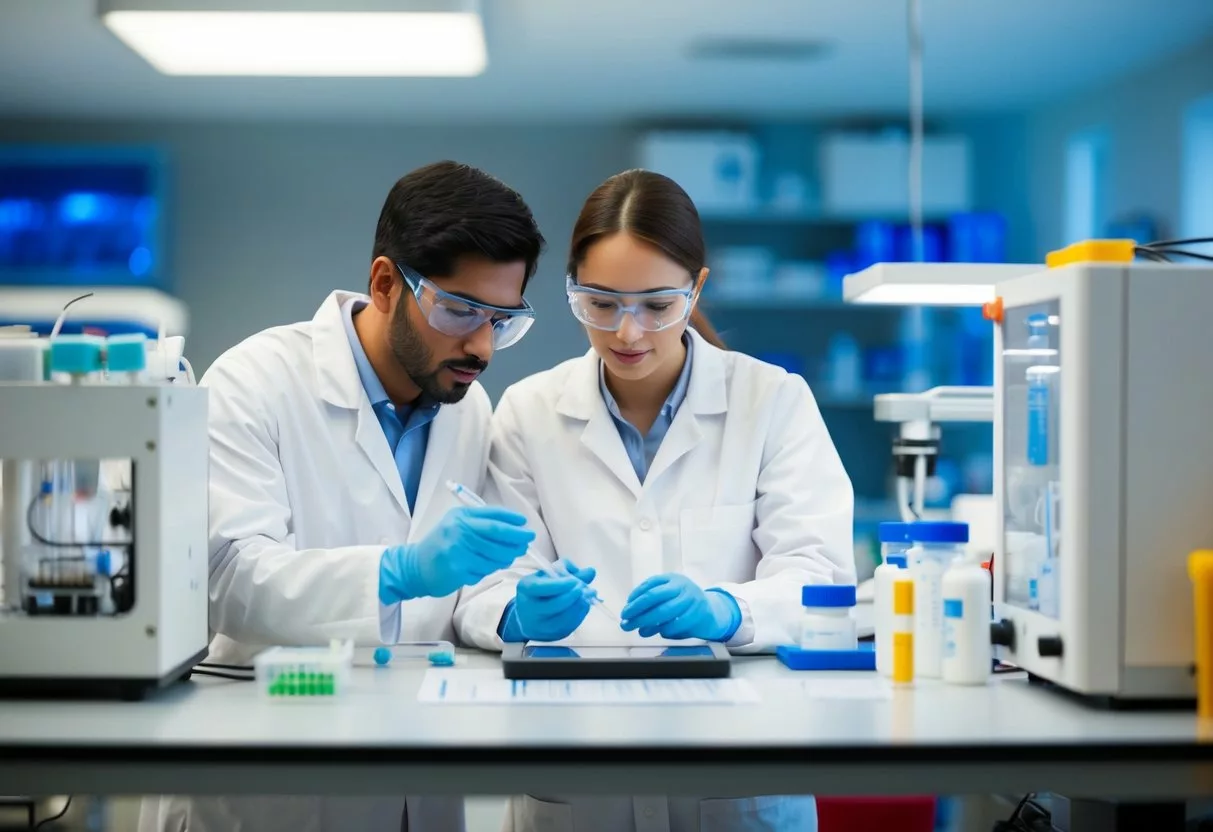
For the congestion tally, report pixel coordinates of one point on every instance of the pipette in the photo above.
(437, 653)
(470, 498)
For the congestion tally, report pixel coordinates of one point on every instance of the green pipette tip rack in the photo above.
(294, 673)
(303, 684)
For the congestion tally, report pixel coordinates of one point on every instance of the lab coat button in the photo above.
(645, 524)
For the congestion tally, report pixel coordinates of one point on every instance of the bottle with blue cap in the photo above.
(894, 540)
(894, 543)
(935, 546)
(827, 623)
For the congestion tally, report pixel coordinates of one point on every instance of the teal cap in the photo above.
(76, 354)
(126, 353)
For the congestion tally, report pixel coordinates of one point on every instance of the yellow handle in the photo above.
(1200, 569)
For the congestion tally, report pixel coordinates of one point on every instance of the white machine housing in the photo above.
(162, 430)
(1134, 476)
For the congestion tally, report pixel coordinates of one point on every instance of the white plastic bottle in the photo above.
(827, 622)
(967, 654)
(936, 545)
(882, 609)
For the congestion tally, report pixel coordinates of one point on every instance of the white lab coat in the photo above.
(746, 493)
(304, 496)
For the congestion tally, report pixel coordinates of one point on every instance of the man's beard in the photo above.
(417, 361)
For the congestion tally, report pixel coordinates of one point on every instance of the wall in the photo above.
(1144, 116)
(266, 219)
(1000, 169)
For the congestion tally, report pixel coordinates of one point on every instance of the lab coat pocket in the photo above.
(531, 815)
(769, 813)
(717, 544)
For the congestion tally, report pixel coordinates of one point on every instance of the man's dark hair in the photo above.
(443, 211)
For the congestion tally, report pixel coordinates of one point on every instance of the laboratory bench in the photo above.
(218, 736)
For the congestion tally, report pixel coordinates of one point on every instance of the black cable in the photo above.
(1022, 821)
(1188, 241)
(1181, 253)
(217, 666)
(54, 818)
(219, 675)
(1019, 806)
(1151, 254)
(56, 544)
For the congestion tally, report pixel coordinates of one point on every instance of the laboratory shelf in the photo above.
(774, 302)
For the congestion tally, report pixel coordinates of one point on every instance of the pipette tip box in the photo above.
(304, 672)
(863, 658)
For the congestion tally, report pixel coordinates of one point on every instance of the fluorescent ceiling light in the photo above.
(304, 43)
(931, 284)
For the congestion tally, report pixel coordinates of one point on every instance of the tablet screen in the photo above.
(689, 651)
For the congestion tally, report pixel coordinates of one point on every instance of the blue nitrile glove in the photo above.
(673, 606)
(467, 544)
(546, 608)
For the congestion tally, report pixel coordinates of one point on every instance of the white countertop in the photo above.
(226, 734)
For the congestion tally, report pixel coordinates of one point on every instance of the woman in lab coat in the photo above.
(696, 490)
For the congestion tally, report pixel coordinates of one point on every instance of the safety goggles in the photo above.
(457, 317)
(652, 311)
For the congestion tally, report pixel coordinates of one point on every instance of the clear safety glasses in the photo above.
(652, 311)
(456, 316)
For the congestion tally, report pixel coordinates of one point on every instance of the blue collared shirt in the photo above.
(407, 427)
(642, 449)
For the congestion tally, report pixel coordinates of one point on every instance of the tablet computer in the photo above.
(678, 661)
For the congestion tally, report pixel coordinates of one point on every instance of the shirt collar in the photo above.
(366, 373)
(672, 401)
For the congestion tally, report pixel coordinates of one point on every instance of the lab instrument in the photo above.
(936, 545)
(104, 522)
(470, 498)
(967, 654)
(826, 623)
(676, 661)
(920, 415)
(302, 673)
(1103, 478)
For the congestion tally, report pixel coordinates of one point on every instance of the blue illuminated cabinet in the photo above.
(82, 216)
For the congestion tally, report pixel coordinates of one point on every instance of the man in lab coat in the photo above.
(331, 442)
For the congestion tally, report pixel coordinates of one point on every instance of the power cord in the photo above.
(46, 821)
(1163, 250)
(216, 666)
(1029, 816)
(219, 674)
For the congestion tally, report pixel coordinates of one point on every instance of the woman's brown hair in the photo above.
(652, 208)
